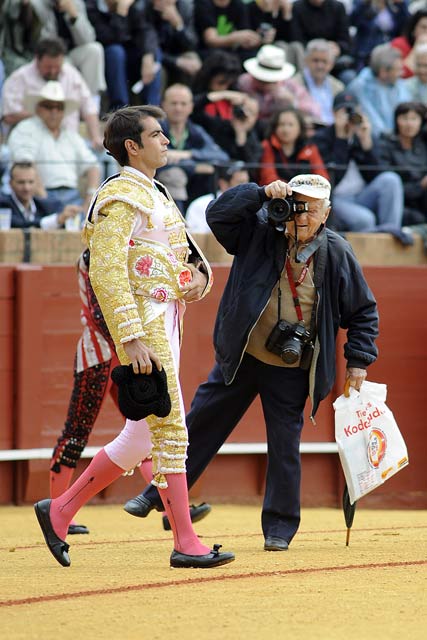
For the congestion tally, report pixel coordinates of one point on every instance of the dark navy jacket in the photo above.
(44, 207)
(239, 222)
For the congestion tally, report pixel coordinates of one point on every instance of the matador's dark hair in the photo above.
(127, 123)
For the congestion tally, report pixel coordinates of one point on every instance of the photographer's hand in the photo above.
(353, 378)
(277, 189)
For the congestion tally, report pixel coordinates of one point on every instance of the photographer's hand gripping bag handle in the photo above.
(370, 445)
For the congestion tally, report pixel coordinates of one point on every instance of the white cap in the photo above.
(310, 184)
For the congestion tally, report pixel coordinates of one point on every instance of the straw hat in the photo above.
(52, 91)
(269, 65)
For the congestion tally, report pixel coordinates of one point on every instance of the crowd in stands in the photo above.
(251, 89)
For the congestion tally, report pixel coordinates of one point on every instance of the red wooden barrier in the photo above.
(47, 329)
(7, 373)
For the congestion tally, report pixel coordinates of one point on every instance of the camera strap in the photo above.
(293, 286)
(311, 248)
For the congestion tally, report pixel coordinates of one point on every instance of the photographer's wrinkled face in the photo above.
(308, 223)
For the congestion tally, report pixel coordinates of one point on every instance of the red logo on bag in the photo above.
(377, 445)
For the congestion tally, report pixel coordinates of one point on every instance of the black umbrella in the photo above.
(347, 507)
(349, 510)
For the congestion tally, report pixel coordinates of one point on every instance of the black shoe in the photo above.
(197, 512)
(73, 529)
(57, 547)
(274, 543)
(140, 506)
(212, 559)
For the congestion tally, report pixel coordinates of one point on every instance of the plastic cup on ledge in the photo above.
(5, 219)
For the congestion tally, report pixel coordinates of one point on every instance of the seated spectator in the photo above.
(49, 64)
(417, 84)
(405, 151)
(192, 152)
(28, 210)
(286, 150)
(67, 19)
(224, 24)
(316, 77)
(363, 198)
(61, 156)
(229, 116)
(326, 19)
(130, 48)
(228, 176)
(174, 24)
(415, 33)
(273, 21)
(20, 30)
(379, 88)
(268, 79)
(377, 22)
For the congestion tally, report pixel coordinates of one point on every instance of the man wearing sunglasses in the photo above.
(61, 156)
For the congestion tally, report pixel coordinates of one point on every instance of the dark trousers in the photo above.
(216, 410)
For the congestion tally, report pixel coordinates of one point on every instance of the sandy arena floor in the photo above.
(120, 585)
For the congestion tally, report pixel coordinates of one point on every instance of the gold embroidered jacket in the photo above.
(139, 248)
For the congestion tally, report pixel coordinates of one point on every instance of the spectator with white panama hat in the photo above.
(61, 156)
(269, 80)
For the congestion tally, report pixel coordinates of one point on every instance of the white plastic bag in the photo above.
(370, 445)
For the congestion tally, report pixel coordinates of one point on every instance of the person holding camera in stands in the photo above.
(293, 283)
(228, 115)
(364, 198)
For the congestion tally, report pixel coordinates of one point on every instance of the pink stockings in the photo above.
(59, 482)
(99, 474)
(102, 472)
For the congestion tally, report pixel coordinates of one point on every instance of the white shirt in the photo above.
(352, 182)
(195, 218)
(60, 161)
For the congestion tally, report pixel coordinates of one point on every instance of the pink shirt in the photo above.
(27, 80)
(286, 93)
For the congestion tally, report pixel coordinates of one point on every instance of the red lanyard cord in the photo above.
(293, 285)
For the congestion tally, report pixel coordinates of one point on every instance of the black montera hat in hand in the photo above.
(141, 395)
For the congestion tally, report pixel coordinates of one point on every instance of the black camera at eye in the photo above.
(292, 342)
(353, 116)
(281, 210)
(238, 112)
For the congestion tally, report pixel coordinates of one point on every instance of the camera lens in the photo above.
(239, 113)
(353, 116)
(279, 211)
(291, 353)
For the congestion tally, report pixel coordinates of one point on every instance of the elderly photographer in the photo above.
(292, 285)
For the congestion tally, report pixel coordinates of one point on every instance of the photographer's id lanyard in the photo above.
(293, 286)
